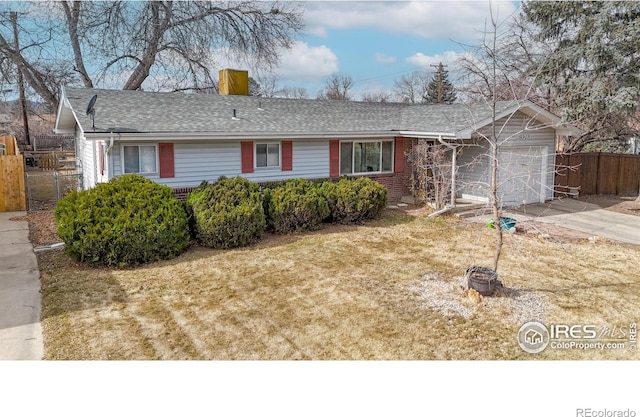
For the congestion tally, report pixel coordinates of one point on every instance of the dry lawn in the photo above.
(391, 289)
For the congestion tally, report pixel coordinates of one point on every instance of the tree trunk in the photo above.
(73, 16)
(142, 71)
(495, 202)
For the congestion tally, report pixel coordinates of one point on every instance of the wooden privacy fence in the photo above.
(50, 160)
(12, 192)
(597, 174)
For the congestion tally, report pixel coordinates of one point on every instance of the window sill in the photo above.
(141, 173)
(369, 174)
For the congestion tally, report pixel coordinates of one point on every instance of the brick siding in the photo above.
(398, 185)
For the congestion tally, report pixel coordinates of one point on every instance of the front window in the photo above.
(366, 157)
(267, 155)
(140, 159)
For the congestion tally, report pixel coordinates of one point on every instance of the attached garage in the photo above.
(526, 162)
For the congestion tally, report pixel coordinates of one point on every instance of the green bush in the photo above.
(295, 205)
(128, 221)
(227, 213)
(354, 200)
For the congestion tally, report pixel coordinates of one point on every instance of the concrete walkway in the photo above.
(582, 216)
(20, 327)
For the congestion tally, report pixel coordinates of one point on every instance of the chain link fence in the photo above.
(45, 189)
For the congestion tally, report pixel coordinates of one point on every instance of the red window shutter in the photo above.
(101, 157)
(287, 155)
(166, 160)
(246, 150)
(398, 156)
(334, 158)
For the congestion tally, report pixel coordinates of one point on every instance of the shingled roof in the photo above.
(184, 113)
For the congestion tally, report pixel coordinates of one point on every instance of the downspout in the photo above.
(109, 159)
(454, 156)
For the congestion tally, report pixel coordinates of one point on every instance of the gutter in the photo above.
(257, 135)
(182, 136)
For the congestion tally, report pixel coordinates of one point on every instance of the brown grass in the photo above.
(387, 290)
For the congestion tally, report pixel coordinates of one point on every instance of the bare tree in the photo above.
(39, 68)
(336, 87)
(488, 74)
(292, 92)
(378, 97)
(176, 43)
(412, 88)
(268, 85)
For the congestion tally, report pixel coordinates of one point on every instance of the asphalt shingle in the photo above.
(158, 112)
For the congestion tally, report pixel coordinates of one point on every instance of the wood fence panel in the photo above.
(561, 184)
(12, 189)
(48, 161)
(586, 172)
(10, 145)
(598, 174)
(629, 182)
(608, 173)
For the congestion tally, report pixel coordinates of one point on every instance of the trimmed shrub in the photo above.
(295, 205)
(128, 221)
(354, 200)
(227, 213)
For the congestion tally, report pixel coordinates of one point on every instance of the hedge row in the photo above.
(132, 220)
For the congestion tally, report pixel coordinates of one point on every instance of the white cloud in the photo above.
(421, 60)
(385, 59)
(457, 20)
(307, 63)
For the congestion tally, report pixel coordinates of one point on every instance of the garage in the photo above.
(522, 175)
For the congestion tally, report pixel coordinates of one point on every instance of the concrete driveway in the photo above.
(20, 327)
(582, 216)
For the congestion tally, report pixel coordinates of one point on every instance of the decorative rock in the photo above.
(474, 295)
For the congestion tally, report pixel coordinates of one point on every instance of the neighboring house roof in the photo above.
(190, 114)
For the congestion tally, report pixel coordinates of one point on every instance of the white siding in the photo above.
(85, 152)
(198, 161)
(522, 144)
(310, 160)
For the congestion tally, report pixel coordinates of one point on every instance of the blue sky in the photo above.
(374, 42)
(377, 42)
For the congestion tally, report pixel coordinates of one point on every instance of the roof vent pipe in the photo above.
(234, 115)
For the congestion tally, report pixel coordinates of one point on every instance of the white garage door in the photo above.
(522, 175)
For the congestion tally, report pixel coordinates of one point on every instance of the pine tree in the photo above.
(593, 64)
(446, 93)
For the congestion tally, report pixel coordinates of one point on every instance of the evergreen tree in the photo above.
(594, 64)
(445, 93)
